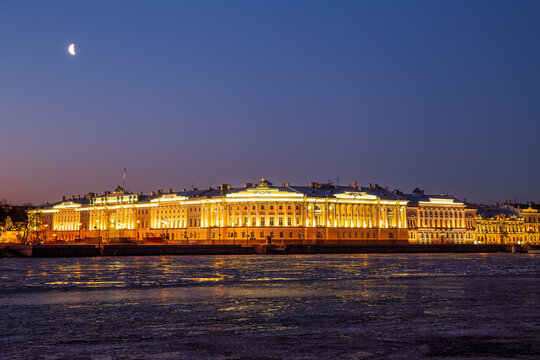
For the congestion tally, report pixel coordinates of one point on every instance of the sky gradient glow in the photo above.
(440, 95)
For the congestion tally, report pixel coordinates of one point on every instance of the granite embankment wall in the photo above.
(44, 251)
(145, 250)
(382, 249)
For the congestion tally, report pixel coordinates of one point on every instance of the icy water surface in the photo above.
(440, 306)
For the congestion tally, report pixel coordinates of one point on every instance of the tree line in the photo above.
(14, 218)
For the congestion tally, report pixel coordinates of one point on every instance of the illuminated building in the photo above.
(439, 219)
(318, 213)
(500, 225)
(531, 221)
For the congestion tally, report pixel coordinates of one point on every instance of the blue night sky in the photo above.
(444, 95)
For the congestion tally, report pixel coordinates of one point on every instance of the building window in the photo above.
(271, 221)
(262, 221)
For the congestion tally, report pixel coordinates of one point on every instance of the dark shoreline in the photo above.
(42, 251)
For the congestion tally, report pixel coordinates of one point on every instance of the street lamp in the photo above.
(138, 221)
(163, 221)
(99, 232)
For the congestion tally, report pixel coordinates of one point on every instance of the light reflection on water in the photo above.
(352, 306)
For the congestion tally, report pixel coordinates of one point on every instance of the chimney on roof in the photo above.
(194, 189)
(170, 191)
(313, 185)
(152, 193)
(72, 197)
(248, 185)
(64, 198)
(225, 187)
(353, 184)
(107, 193)
(140, 193)
(370, 186)
(160, 191)
(89, 196)
(210, 188)
(397, 192)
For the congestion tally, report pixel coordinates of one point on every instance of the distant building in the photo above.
(530, 212)
(318, 213)
(439, 219)
(500, 225)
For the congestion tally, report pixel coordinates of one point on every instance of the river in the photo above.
(387, 306)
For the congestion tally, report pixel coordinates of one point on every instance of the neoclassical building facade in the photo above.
(500, 225)
(318, 213)
(439, 219)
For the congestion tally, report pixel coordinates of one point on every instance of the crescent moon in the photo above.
(71, 49)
